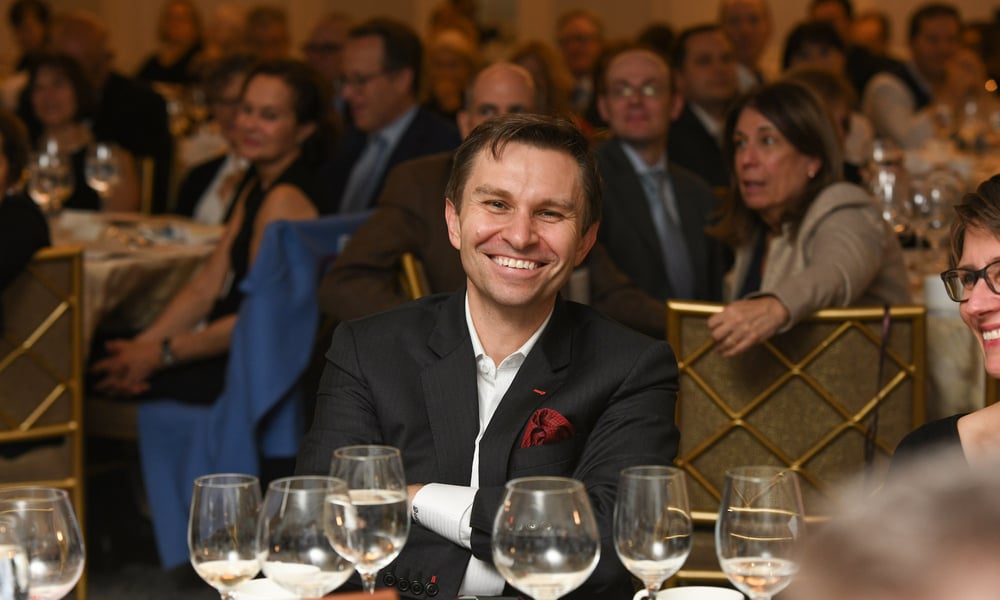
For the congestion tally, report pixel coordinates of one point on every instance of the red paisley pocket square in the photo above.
(546, 426)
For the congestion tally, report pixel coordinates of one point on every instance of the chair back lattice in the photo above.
(805, 400)
(41, 377)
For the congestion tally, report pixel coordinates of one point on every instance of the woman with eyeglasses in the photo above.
(802, 238)
(974, 282)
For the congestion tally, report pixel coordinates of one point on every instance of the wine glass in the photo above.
(222, 530)
(291, 540)
(370, 527)
(545, 539)
(102, 170)
(652, 523)
(14, 583)
(759, 529)
(50, 180)
(51, 535)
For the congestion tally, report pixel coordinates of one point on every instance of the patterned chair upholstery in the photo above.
(41, 378)
(807, 400)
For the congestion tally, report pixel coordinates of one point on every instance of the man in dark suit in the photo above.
(129, 113)
(654, 212)
(382, 66)
(455, 381)
(704, 68)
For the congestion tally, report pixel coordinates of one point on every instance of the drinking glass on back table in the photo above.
(759, 529)
(372, 528)
(222, 530)
(652, 523)
(50, 180)
(102, 169)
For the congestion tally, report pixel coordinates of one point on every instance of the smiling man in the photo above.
(471, 385)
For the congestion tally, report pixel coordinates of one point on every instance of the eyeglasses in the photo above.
(321, 48)
(647, 90)
(959, 282)
(360, 81)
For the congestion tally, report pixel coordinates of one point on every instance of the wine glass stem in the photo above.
(368, 582)
(651, 591)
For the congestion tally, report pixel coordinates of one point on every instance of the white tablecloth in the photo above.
(133, 264)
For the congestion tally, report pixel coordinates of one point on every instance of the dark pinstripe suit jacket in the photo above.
(407, 378)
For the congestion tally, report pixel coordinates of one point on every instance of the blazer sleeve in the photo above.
(843, 255)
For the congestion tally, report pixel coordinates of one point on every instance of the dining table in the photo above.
(133, 263)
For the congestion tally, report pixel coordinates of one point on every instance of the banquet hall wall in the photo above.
(133, 24)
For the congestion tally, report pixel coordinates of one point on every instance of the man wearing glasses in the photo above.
(324, 50)
(382, 66)
(654, 212)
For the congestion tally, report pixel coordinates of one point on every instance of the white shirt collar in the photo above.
(522, 352)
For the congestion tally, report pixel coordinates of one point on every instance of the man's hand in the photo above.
(745, 323)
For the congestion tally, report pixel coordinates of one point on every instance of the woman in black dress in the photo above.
(282, 116)
(61, 102)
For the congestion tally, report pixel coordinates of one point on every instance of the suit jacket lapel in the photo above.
(629, 194)
(450, 393)
(541, 375)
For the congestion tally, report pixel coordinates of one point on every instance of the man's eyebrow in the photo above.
(485, 189)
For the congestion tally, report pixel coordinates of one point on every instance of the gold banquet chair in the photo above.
(412, 277)
(806, 400)
(41, 378)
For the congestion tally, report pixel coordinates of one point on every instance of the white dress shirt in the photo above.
(446, 509)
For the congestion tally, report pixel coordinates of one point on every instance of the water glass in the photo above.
(46, 520)
(14, 584)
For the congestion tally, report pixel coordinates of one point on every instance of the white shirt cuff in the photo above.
(446, 510)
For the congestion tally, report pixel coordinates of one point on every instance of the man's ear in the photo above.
(464, 121)
(454, 226)
(586, 242)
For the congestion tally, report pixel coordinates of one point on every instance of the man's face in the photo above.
(519, 230)
(834, 13)
(708, 75)
(377, 97)
(637, 102)
(324, 49)
(748, 24)
(269, 41)
(934, 45)
(498, 90)
(580, 43)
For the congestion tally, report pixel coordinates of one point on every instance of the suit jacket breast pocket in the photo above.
(555, 459)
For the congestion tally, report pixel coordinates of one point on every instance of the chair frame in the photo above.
(70, 303)
(846, 319)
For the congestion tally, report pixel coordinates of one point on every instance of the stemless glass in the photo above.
(652, 523)
(51, 535)
(102, 169)
(545, 539)
(371, 528)
(291, 540)
(50, 180)
(759, 529)
(222, 530)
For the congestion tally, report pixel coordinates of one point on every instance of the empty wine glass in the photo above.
(652, 523)
(102, 170)
(545, 539)
(14, 583)
(50, 180)
(370, 527)
(759, 529)
(291, 540)
(51, 535)
(222, 530)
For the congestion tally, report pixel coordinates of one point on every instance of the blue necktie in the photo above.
(668, 230)
(365, 176)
